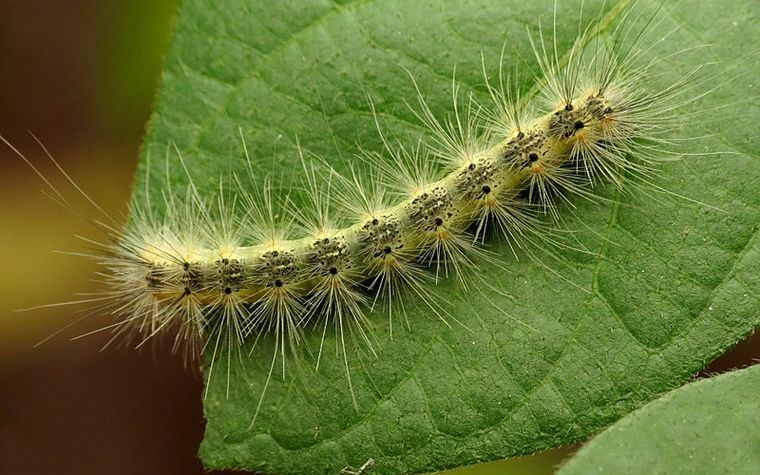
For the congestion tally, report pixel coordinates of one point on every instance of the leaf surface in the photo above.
(560, 351)
(708, 426)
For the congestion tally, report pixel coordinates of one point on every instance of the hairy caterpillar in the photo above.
(202, 234)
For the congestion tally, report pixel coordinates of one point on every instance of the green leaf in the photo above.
(709, 426)
(673, 283)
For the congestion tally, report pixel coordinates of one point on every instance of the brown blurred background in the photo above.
(81, 75)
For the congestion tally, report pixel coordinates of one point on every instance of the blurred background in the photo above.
(81, 75)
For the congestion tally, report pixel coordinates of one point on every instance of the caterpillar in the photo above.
(225, 271)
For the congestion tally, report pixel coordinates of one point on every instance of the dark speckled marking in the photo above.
(275, 268)
(472, 182)
(566, 122)
(328, 257)
(562, 123)
(520, 150)
(228, 275)
(428, 211)
(192, 277)
(380, 235)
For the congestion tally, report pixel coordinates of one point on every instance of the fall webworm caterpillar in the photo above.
(192, 234)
